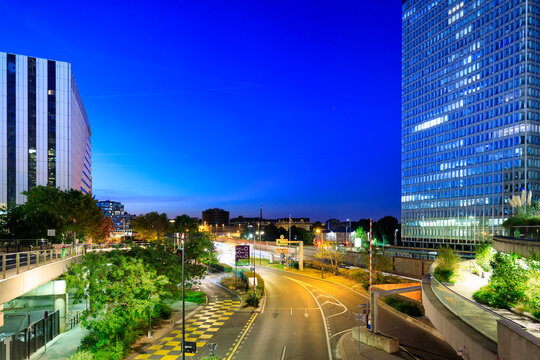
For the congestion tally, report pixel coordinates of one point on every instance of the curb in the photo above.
(409, 319)
(342, 352)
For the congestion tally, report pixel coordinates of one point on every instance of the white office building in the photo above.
(44, 132)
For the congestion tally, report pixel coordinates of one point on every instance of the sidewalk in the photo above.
(350, 349)
(62, 346)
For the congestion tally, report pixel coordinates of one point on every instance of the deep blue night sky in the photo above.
(292, 105)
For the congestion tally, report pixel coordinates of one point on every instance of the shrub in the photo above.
(164, 311)
(82, 355)
(403, 306)
(446, 264)
(536, 314)
(211, 358)
(483, 255)
(250, 298)
(296, 265)
(222, 267)
(197, 297)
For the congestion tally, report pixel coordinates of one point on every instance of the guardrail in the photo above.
(479, 317)
(23, 261)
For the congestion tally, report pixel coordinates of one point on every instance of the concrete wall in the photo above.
(515, 343)
(520, 247)
(456, 332)
(22, 283)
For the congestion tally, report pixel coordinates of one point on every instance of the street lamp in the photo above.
(395, 237)
(208, 267)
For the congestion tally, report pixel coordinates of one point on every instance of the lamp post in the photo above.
(208, 267)
(395, 237)
(183, 307)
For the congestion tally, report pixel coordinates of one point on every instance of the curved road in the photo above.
(291, 324)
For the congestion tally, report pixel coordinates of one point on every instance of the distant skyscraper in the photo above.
(45, 134)
(470, 116)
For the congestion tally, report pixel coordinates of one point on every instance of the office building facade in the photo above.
(470, 117)
(215, 217)
(45, 133)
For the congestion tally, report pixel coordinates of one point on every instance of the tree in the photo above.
(70, 212)
(329, 251)
(123, 292)
(384, 229)
(302, 235)
(151, 226)
(272, 232)
(185, 223)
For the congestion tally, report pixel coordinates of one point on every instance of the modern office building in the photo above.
(121, 219)
(45, 134)
(470, 117)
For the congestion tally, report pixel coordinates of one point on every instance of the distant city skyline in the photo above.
(293, 106)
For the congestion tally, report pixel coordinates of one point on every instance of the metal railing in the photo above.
(27, 260)
(27, 341)
(481, 318)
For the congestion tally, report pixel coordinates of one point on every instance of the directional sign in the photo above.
(190, 347)
(281, 241)
(242, 255)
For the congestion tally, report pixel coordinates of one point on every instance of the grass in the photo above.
(197, 297)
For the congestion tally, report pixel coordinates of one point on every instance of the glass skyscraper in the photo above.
(470, 117)
(44, 130)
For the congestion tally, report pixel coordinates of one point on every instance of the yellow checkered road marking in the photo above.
(200, 328)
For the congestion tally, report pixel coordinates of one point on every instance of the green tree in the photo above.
(272, 232)
(151, 226)
(302, 235)
(123, 292)
(185, 223)
(384, 228)
(70, 212)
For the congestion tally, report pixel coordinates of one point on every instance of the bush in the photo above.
(403, 306)
(82, 355)
(483, 255)
(163, 311)
(296, 265)
(536, 314)
(211, 358)
(443, 275)
(250, 298)
(233, 282)
(446, 264)
(197, 297)
(222, 267)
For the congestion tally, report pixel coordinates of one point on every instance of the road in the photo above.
(291, 325)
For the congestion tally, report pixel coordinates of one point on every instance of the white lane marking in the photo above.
(301, 283)
(290, 313)
(283, 353)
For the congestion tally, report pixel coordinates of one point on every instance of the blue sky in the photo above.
(294, 106)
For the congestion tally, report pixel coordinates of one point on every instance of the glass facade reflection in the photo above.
(470, 117)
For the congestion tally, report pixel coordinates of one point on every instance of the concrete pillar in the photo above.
(1, 315)
(61, 302)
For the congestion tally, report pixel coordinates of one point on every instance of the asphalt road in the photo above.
(291, 325)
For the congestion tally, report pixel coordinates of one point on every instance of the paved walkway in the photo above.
(350, 349)
(62, 346)
(467, 284)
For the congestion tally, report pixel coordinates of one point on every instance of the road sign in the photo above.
(282, 251)
(281, 241)
(51, 232)
(242, 255)
(190, 347)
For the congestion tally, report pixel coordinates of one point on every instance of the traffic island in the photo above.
(379, 341)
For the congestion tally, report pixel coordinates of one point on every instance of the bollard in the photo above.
(17, 262)
(4, 265)
(28, 259)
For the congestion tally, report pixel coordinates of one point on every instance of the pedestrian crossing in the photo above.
(199, 328)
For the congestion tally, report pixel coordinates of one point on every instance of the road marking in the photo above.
(246, 329)
(301, 283)
(290, 313)
(283, 353)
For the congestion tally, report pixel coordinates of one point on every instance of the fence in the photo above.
(24, 260)
(27, 341)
